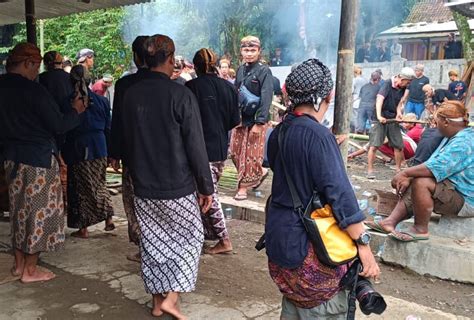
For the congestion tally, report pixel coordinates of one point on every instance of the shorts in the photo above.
(334, 309)
(392, 131)
(447, 201)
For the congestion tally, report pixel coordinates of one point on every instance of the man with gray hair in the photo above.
(414, 93)
(388, 108)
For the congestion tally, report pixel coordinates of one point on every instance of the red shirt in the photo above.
(99, 87)
(415, 133)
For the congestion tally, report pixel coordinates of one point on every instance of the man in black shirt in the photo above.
(219, 108)
(415, 94)
(116, 150)
(166, 155)
(388, 107)
(255, 83)
(452, 48)
(438, 96)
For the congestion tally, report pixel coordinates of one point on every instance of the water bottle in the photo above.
(258, 194)
(228, 213)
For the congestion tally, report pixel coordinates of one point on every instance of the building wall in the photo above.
(435, 70)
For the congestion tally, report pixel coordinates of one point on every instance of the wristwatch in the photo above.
(364, 238)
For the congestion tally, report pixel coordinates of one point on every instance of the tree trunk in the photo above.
(468, 50)
(345, 72)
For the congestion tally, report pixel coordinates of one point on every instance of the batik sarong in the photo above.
(89, 201)
(213, 220)
(3, 190)
(246, 151)
(309, 285)
(36, 207)
(127, 198)
(171, 239)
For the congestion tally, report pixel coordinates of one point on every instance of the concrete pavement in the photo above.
(95, 281)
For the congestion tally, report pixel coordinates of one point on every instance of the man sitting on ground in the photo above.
(442, 184)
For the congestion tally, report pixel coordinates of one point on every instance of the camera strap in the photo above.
(351, 299)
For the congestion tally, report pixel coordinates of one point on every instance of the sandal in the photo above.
(371, 176)
(375, 225)
(407, 236)
(240, 196)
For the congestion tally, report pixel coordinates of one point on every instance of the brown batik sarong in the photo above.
(89, 201)
(128, 207)
(213, 220)
(36, 207)
(246, 151)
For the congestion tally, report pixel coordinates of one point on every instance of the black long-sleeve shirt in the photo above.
(163, 140)
(219, 107)
(115, 147)
(258, 79)
(29, 121)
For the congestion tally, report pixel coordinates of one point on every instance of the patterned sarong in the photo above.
(246, 151)
(127, 198)
(3, 190)
(171, 239)
(36, 207)
(309, 285)
(88, 199)
(213, 220)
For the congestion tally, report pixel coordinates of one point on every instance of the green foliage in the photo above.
(98, 30)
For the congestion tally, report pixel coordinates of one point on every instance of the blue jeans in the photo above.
(365, 113)
(414, 107)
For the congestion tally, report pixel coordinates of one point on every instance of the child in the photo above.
(458, 88)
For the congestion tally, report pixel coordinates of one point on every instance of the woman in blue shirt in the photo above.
(85, 153)
(313, 160)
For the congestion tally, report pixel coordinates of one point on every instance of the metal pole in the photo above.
(30, 21)
(345, 72)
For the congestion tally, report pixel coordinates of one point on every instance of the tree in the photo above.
(468, 48)
(98, 30)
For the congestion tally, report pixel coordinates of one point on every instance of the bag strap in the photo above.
(297, 204)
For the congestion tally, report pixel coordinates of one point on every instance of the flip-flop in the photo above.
(375, 225)
(261, 180)
(240, 196)
(371, 176)
(407, 236)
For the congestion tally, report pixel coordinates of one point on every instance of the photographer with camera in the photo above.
(308, 154)
(255, 84)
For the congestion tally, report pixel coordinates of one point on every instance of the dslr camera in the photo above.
(370, 301)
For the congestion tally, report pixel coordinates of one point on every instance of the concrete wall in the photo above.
(435, 70)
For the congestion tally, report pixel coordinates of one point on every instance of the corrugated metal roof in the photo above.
(13, 11)
(422, 29)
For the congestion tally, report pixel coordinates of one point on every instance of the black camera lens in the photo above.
(370, 301)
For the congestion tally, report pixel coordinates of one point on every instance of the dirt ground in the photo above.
(444, 295)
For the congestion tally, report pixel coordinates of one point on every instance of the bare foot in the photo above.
(223, 246)
(81, 233)
(36, 275)
(16, 272)
(157, 302)
(109, 224)
(134, 257)
(170, 305)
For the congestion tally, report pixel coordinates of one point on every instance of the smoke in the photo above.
(188, 30)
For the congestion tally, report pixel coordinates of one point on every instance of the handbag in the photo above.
(332, 245)
(248, 102)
